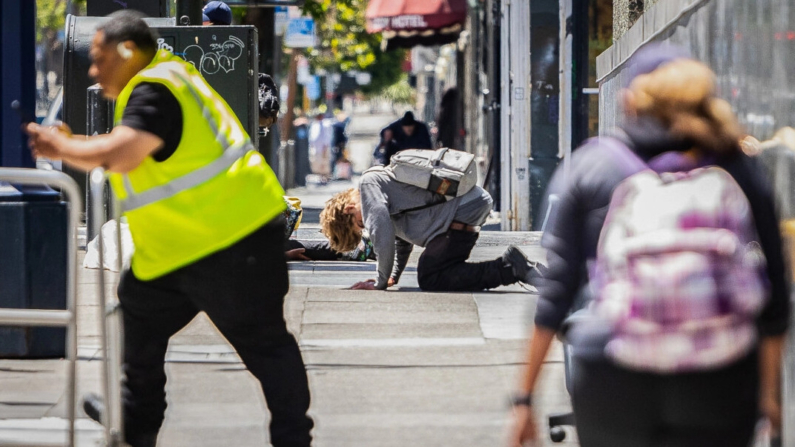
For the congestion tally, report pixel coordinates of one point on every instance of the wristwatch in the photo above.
(522, 400)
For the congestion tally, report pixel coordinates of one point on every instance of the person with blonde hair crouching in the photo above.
(398, 216)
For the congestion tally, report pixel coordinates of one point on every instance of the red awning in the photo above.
(406, 23)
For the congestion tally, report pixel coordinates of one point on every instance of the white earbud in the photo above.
(124, 52)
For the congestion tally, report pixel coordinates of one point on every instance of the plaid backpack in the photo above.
(679, 272)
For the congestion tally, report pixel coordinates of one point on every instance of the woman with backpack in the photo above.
(689, 302)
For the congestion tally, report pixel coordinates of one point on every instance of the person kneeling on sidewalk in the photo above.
(398, 216)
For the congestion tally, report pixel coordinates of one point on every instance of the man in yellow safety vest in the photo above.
(204, 210)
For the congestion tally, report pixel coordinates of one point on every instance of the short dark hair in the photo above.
(408, 119)
(129, 24)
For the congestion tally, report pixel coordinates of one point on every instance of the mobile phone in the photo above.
(24, 116)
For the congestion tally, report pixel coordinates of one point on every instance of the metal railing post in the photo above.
(788, 387)
(64, 318)
(108, 315)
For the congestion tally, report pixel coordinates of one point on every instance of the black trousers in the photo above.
(316, 250)
(336, 153)
(442, 267)
(242, 290)
(617, 407)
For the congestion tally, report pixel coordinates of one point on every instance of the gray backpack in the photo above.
(445, 171)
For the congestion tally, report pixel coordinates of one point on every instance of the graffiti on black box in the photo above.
(218, 56)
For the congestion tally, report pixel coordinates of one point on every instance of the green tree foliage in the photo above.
(399, 93)
(344, 45)
(386, 71)
(51, 16)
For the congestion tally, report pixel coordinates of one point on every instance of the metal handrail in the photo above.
(40, 317)
(35, 317)
(110, 325)
(788, 386)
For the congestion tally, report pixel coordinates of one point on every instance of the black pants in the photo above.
(316, 250)
(616, 407)
(442, 266)
(336, 153)
(242, 290)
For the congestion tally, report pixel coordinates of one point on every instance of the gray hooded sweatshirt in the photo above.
(394, 232)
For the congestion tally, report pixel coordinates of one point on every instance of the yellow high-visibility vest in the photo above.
(214, 190)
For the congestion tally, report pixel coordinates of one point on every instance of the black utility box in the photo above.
(99, 119)
(227, 57)
(33, 266)
(301, 154)
(154, 8)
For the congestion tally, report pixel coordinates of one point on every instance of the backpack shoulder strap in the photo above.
(438, 200)
(621, 150)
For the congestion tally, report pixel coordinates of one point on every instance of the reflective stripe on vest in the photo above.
(187, 181)
(192, 179)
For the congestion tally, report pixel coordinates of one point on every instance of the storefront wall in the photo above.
(749, 44)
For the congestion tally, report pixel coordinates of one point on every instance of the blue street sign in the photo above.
(300, 33)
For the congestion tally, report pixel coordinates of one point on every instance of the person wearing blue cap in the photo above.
(690, 366)
(216, 13)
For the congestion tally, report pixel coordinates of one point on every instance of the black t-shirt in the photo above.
(154, 109)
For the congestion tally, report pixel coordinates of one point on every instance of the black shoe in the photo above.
(146, 440)
(522, 268)
(94, 407)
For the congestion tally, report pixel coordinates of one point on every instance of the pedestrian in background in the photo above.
(204, 210)
(216, 13)
(320, 137)
(448, 132)
(715, 381)
(340, 165)
(405, 133)
(268, 101)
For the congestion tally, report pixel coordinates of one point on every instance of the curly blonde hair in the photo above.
(681, 94)
(338, 227)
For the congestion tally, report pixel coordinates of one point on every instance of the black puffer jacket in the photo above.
(268, 96)
(580, 209)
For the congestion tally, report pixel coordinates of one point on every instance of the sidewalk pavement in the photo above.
(386, 368)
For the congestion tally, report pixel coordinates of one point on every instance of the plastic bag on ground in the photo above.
(110, 244)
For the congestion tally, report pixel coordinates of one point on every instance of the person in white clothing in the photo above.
(320, 135)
